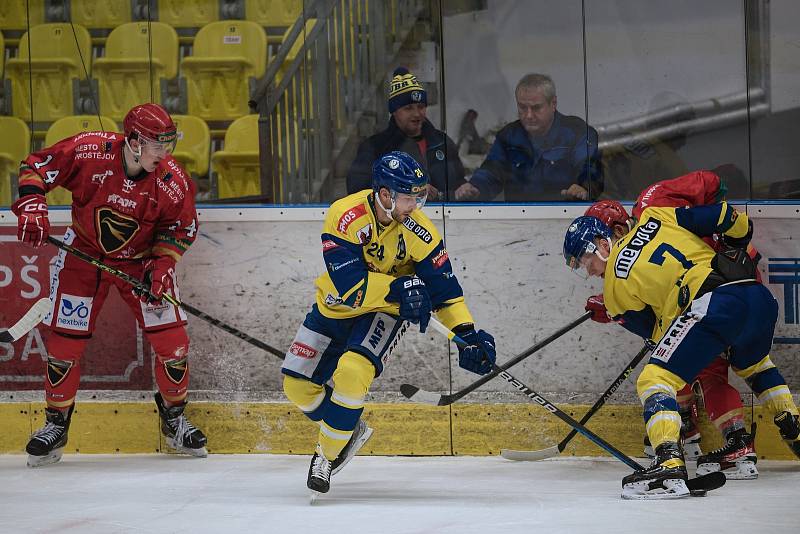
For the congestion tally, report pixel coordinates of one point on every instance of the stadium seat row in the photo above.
(140, 58)
(108, 14)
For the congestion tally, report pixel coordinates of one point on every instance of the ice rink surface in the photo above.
(375, 495)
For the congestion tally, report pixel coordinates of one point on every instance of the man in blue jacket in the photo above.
(410, 131)
(542, 156)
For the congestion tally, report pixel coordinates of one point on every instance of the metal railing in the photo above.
(324, 76)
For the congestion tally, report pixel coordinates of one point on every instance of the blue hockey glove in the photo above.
(480, 355)
(415, 303)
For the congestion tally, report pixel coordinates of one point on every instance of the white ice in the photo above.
(376, 495)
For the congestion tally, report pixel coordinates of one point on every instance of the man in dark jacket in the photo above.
(410, 131)
(542, 156)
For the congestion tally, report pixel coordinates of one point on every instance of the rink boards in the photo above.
(254, 268)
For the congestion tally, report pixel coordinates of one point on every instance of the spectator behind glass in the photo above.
(542, 156)
(410, 131)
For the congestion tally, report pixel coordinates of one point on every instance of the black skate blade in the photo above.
(698, 486)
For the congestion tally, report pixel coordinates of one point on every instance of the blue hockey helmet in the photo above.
(580, 237)
(400, 173)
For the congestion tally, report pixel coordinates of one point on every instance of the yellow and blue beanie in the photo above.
(404, 89)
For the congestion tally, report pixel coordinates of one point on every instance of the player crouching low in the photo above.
(386, 264)
(662, 282)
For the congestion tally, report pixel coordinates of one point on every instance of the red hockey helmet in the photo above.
(150, 124)
(611, 212)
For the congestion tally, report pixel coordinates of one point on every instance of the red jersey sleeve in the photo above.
(697, 188)
(50, 167)
(177, 227)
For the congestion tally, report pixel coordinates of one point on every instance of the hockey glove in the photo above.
(738, 242)
(597, 305)
(33, 225)
(480, 355)
(415, 302)
(159, 278)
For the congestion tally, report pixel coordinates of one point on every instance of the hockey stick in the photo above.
(139, 286)
(31, 318)
(416, 394)
(549, 452)
(697, 485)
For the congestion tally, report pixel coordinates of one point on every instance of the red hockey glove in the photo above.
(33, 226)
(159, 278)
(596, 304)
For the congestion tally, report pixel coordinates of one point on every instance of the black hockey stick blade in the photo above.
(711, 481)
(437, 399)
(31, 318)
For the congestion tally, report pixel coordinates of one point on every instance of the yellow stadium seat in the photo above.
(188, 13)
(123, 75)
(69, 126)
(100, 13)
(13, 15)
(15, 145)
(57, 64)
(194, 144)
(227, 56)
(273, 12)
(237, 165)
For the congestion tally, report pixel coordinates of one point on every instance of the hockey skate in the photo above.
(736, 459)
(47, 444)
(319, 474)
(664, 479)
(789, 428)
(181, 435)
(361, 435)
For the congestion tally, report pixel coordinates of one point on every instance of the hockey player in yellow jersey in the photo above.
(386, 266)
(662, 282)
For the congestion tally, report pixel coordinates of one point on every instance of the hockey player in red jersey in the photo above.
(132, 207)
(737, 458)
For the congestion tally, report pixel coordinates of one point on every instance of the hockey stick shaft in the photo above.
(607, 395)
(544, 403)
(139, 286)
(450, 399)
(32, 317)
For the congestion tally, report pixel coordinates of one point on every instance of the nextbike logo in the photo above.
(786, 272)
(630, 252)
(74, 312)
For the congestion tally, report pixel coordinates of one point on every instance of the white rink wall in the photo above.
(254, 268)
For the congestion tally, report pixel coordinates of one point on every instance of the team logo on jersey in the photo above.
(630, 252)
(349, 216)
(364, 234)
(114, 230)
(100, 178)
(418, 230)
(128, 185)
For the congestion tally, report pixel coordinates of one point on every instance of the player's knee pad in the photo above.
(309, 397)
(63, 369)
(172, 365)
(654, 379)
(351, 380)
